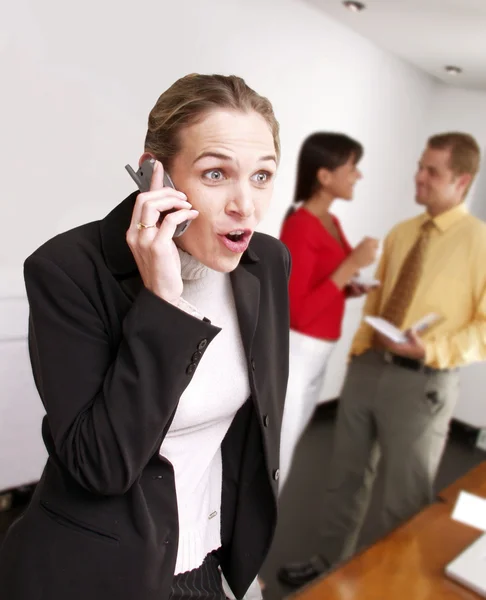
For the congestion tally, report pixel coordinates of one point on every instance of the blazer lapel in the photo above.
(246, 285)
(246, 290)
(118, 255)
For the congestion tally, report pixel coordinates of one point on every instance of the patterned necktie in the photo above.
(401, 297)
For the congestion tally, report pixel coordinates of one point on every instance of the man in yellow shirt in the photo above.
(398, 398)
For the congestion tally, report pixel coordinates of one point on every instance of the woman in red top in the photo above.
(323, 267)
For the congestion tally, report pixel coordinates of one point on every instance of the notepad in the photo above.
(366, 281)
(469, 567)
(396, 335)
(470, 510)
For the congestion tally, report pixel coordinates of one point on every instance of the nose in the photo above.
(420, 176)
(359, 175)
(241, 203)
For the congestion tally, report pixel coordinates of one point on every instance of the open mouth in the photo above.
(236, 236)
(237, 240)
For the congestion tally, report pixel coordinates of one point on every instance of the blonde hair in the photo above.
(193, 96)
(465, 153)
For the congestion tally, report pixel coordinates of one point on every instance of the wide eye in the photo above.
(262, 177)
(214, 175)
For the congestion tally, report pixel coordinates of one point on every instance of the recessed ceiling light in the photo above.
(453, 70)
(354, 6)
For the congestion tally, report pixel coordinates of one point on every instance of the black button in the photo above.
(276, 474)
(158, 477)
(191, 368)
(202, 344)
(253, 364)
(266, 421)
(196, 357)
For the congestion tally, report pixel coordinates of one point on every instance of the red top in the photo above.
(316, 303)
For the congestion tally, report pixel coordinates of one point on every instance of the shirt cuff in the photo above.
(189, 309)
(358, 350)
(430, 354)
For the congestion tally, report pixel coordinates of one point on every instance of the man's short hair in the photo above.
(464, 149)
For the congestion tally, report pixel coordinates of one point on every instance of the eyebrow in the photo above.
(226, 158)
(428, 167)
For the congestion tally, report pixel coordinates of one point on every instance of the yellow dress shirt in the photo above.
(452, 284)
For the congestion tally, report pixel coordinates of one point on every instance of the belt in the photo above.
(408, 363)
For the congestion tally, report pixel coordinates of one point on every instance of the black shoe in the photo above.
(298, 574)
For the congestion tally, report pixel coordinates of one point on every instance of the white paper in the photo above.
(366, 281)
(468, 568)
(387, 329)
(470, 510)
(426, 322)
(394, 334)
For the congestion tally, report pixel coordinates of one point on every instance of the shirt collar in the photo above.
(447, 219)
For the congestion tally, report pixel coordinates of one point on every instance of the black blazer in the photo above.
(110, 361)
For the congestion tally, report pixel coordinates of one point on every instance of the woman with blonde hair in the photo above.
(162, 361)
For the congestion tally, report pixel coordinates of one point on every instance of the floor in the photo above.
(296, 532)
(299, 502)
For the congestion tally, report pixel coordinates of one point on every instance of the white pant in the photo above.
(308, 360)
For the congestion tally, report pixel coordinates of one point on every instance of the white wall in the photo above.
(465, 110)
(78, 81)
(22, 453)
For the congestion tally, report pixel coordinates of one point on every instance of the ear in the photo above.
(323, 176)
(145, 156)
(464, 181)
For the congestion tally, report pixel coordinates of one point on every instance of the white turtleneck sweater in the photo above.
(219, 387)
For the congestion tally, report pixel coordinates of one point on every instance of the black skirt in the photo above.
(202, 583)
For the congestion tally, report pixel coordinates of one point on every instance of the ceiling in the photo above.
(428, 33)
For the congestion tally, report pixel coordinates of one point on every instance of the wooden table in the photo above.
(474, 482)
(408, 564)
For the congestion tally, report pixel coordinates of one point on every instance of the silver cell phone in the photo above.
(143, 179)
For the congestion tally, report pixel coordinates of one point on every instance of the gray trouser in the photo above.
(399, 415)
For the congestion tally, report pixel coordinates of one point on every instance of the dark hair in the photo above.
(322, 150)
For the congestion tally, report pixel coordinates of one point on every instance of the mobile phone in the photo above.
(143, 179)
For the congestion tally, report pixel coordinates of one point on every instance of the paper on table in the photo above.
(470, 510)
(467, 569)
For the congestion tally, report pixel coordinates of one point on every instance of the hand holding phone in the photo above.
(150, 239)
(143, 179)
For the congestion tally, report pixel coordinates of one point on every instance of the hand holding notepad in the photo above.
(394, 334)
